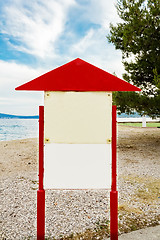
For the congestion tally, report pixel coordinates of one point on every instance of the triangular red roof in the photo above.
(78, 75)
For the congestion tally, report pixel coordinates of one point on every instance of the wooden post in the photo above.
(41, 191)
(114, 192)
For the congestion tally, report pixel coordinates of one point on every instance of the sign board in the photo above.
(77, 127)
(77, 140)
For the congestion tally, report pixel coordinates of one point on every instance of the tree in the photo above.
(138, 37)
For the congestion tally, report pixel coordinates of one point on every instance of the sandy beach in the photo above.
(81, 213)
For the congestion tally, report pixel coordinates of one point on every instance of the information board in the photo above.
(77, 152)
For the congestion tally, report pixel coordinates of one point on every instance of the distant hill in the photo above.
(2, 115)
(124, 115)
(135, 115)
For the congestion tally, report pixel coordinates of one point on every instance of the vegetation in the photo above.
(137, 36)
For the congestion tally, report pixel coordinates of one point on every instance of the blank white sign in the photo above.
(77, 166)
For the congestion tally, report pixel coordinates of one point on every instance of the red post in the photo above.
(114, 192)
(41, 191)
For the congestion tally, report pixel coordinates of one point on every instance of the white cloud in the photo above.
(36, 25)
(84, 42)
(18, 102)
(24, 100)
(93, 48)
(100, 12)
(12, 74)
(39, 28)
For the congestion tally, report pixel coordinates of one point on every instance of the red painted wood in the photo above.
(41, 191)
(41, 146)
(78, 75)
(114, 215)
(114, 193)
(114, 148)
(40, 215)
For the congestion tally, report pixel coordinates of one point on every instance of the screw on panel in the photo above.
(108, 140)
(48, 94)
(47, 140)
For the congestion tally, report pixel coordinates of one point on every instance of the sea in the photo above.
(12, 129)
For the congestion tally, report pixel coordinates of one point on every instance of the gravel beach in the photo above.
(81, 214)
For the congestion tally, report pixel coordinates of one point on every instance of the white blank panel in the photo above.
(78, 117)
(77, 166)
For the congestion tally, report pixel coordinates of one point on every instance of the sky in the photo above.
(37, 36)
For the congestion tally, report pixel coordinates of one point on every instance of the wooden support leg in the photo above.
(114, 215)
(40, 214)
(41, 191)
(114, 193)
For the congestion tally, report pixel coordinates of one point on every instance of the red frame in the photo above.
(41, 191)
(113, 193)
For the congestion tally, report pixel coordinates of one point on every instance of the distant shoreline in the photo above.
(9, 116)
(120, 118)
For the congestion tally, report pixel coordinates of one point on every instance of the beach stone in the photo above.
(70, 212)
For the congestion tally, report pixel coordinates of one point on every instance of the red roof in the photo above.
(78, 75)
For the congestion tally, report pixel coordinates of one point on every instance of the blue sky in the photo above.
(37, 36)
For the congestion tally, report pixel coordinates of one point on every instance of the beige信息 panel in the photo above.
(78, 117)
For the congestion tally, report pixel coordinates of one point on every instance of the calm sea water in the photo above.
(12, 129)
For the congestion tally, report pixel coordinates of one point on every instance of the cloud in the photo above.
(34, 26)
(41, 27)
(12, 74)
(54, 32)
(93, 48)
(100, 12)
(16, 102)
(92, 44)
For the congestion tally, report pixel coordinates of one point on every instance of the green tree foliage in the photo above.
(138, 37)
